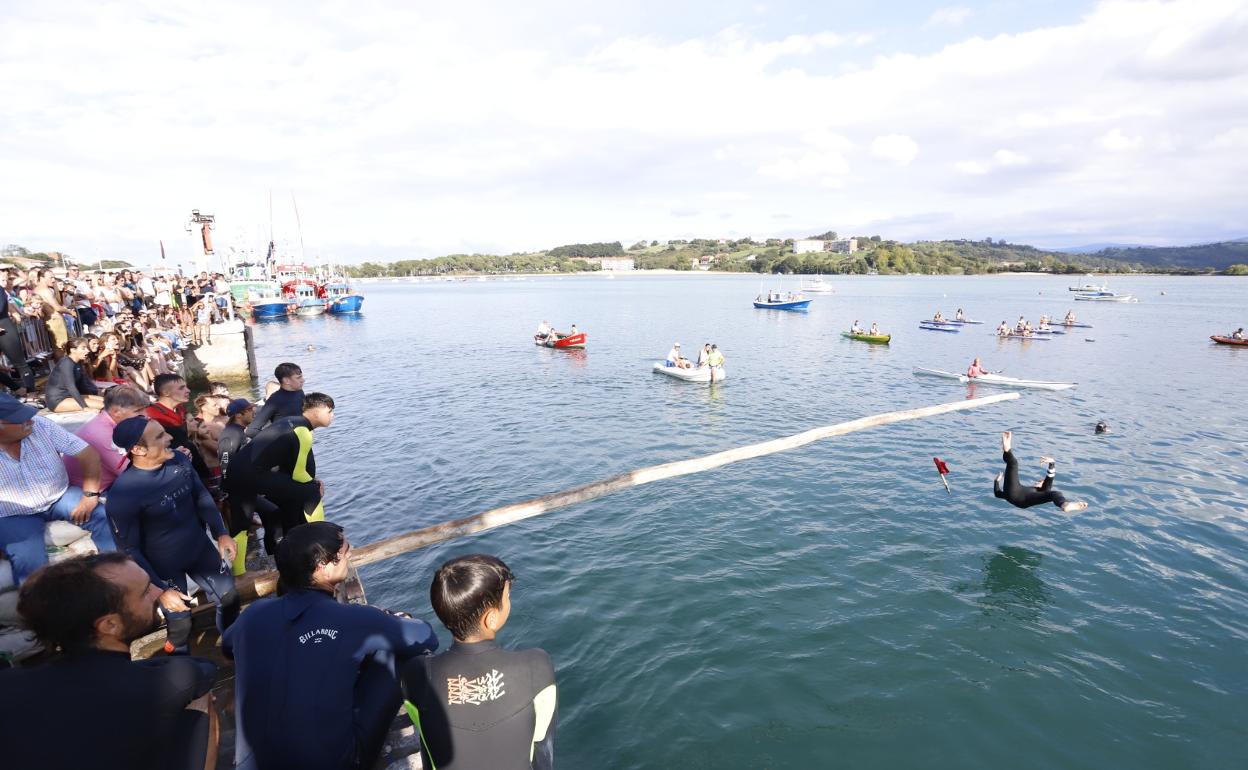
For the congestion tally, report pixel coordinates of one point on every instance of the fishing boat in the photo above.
(265, 301)
(341, 299)
(936, 326)
(816, 285)
(306, 296)
(779, 301)
(995, 379)
(561, 342)
(878, 339)
(1106, 296)
(700, 374)
(1221, 340)
(1089, 287)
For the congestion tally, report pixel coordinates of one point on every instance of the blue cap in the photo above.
(14, 411)
(238, 405)
(129, 432)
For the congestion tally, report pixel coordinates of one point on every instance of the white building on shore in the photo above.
(839, 246)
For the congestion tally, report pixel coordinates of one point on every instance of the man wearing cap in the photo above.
(37, 489)
(160, 508)
(120, 403)
(674, 358)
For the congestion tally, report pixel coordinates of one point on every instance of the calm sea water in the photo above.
(830, 606)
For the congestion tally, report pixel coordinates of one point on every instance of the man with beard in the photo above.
(120, 713)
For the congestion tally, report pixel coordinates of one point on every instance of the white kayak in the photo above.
(996, 379)
(691, 375)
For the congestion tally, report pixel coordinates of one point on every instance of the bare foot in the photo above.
(1006, 440)
(1074, 507)
(1047, 461)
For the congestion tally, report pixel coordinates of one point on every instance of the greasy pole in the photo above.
(266, 582)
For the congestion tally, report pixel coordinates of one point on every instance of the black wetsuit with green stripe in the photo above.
(477, 705)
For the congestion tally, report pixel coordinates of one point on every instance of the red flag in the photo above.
(940, 466)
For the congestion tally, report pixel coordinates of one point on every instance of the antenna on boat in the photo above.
(303, 257)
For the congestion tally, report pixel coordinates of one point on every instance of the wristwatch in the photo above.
(90, 494)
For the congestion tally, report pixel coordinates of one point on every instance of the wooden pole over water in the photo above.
(266, 582)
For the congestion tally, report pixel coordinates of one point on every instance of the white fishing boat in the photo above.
(701, 374)
(995, 379)
(816, 285)
(1089, 287)
(1107, 296)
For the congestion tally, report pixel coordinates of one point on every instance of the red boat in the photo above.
(570, 342)
(1228, 340)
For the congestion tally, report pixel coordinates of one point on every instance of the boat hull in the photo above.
(875, 339)
(279, 309)
(308, 307)
(702, 374)
(934, 327)
(351, 303)
(571, 342)
(995, 379)
(1032, 336)
(1105, 298)
(1227, 340)
(801, 304)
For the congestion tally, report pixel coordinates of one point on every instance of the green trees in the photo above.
(1236, 269)
(588, 250)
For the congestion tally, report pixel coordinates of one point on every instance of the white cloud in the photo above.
(952, 16)
(417, 130)
(898, 148)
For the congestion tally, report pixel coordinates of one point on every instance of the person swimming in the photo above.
(1006, 486)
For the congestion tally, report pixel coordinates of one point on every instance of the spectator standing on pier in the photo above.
(316, 684)
(149, 714)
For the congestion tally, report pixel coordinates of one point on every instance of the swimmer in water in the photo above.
(1007, 488)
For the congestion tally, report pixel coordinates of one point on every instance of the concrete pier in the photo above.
(230, 357)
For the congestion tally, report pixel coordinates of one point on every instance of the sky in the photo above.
(410, 130)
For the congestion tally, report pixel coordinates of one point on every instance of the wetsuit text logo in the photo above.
(475, 691)
(319, 635)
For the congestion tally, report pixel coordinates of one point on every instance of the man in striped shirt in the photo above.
(36, 486)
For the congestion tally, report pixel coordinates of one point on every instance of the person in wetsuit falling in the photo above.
(1007, 488)
(279, 465)
(478, 705)
(159, 509)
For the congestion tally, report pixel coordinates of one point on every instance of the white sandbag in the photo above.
(82, 546)
(62, 533)
(6, 576)
(8, 609)
(18, 644)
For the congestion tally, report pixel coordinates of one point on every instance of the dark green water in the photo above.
(829, 606)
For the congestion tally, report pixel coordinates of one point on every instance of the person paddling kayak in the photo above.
(1006, 485)
(975, 370)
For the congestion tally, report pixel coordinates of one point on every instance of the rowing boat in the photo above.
(1227, 340)
(879, 339)
(937, 327)
(701, 374)
(995, 379)
(569, 342)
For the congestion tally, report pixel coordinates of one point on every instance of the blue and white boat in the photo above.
(266, 301)
(775, 300)
(342, 299)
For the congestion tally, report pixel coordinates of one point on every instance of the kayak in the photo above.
(702, 374)
(1227, 340)
(880, 339)
(1034, 336)
(964, 321)
(995, 379)
(935, 327)
(1073, 325)
(571, 342)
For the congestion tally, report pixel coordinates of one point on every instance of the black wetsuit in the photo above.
(67, 380)
(1025, 497)
(266, 466)
(159, 518)
(101, 710)
(232, 439)
(11, 344)
(315, 682)
(283, 403)
(478, 705)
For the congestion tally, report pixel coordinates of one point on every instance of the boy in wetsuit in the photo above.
(478, 705)
(286, 401)
(1006, 486)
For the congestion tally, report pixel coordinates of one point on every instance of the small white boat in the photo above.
(702, 374)
(1088, 287)
(817, 285)
(996, 379)
(1105, 297)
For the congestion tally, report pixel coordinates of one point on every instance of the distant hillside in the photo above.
(1216, 256)
(1092, 248)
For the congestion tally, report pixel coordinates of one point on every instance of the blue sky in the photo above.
(413, 130)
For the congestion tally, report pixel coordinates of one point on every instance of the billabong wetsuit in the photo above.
(1025, 497)
(478, 705)
(99, 709)
(159, 517)
(283, 403)
(316, 683)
